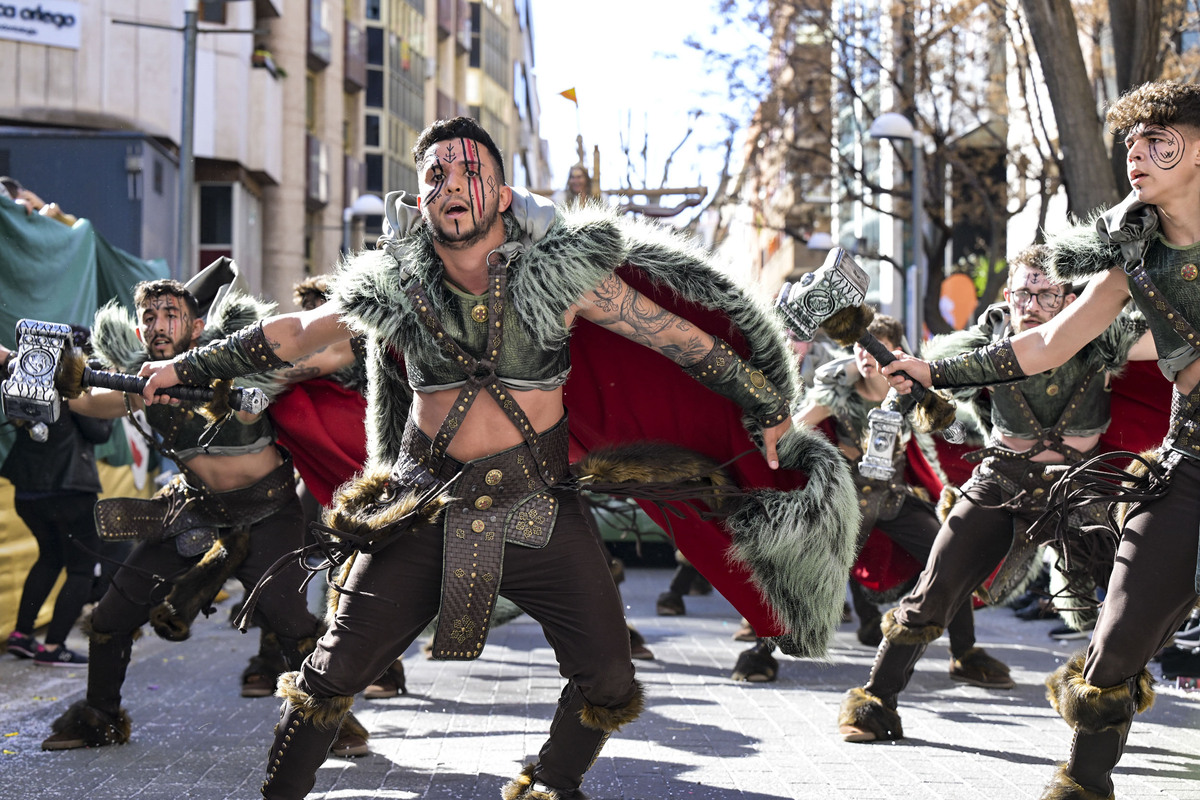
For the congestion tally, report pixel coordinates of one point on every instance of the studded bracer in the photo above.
(502, 498)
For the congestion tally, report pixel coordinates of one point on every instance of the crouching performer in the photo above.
(1144, 249)
(231, 511)
(1037, 424)
(469, 495)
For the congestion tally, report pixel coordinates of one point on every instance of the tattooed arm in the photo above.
(620, 308)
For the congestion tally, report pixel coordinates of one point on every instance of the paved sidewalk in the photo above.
(466, 728)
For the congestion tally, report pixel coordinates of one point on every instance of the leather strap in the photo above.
(480, 372)
(1054, 434)
(1141, 279)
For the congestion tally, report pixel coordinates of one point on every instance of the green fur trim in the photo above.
(582, 248)
(799, 545)
(1077, 253)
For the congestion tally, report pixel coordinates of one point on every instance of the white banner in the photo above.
(55, 23)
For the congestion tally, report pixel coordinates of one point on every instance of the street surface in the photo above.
(466, 728)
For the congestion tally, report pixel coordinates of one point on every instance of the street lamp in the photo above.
(365, 205)
(896, 126)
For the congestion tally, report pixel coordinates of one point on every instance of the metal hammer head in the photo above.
(29, 392)
(837, 284)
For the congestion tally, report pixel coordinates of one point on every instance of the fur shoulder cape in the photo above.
(782, 559)
(581, 248)
(116, 343)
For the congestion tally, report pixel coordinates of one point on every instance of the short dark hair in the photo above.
(885, 326)
(457, 128)
(148, 290)
(11, 185)
(1155, 103)
(311, 292)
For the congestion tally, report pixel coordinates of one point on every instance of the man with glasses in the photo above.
(1036, 425)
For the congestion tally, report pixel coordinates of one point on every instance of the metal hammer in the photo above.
(37, 375)
(830, 297)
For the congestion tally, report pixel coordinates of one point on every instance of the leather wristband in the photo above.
(243, 353)
(985, 366)
(724, 371)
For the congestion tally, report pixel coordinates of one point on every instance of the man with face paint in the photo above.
(477, 295)
(233, 511)
(1146, 249)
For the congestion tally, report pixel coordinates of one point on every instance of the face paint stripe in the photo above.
(474, 186)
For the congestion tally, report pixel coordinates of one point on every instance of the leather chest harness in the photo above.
(504, 497)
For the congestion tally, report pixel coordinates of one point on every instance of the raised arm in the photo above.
(273, 344)
(1036, 350)
(620, 308)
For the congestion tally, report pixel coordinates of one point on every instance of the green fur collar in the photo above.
(580, 249)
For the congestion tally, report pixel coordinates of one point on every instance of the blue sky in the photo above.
(628, 63)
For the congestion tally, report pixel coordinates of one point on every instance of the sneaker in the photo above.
(638, 650)
(1065, 633)
(58, 657)
(670, 604)
(745, 632)
(1041, 608)
(22, 645)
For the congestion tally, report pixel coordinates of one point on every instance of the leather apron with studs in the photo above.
(502, 497)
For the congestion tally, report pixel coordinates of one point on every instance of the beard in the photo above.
(462, 240)
(177, 346)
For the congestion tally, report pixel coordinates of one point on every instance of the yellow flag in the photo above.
(570, 95)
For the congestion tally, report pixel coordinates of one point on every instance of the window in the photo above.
(212, 11)
(374, 162)
(375, 46)
(371, 130)
(216, 214)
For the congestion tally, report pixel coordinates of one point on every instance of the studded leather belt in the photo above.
(500, 498)
(191, 515)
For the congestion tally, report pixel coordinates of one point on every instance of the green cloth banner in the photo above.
(54, 273)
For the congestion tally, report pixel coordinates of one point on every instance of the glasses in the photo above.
(1050, 301)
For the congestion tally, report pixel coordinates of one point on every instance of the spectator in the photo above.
(22, 196)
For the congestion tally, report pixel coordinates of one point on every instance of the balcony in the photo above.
(320, 40)
(316, 174)
(355, 71)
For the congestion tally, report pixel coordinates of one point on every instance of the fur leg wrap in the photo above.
(95, 727)
(867, 712)
(522, 788)
(194, 591)
(610, 720)
(1092, 709)
(899, 633)
(1063, 787)
(322, 712)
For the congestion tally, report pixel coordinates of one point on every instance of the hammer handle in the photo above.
(884, 356)
(134, 385)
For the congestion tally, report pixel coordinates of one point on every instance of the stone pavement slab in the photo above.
(466, 728)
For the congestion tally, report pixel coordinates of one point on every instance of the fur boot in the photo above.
(84, 725)
(756, 665)
(1063, 787)
(863, 717)
(978, 668)
(523, 787)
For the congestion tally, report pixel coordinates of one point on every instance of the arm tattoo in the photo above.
(633, 315)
